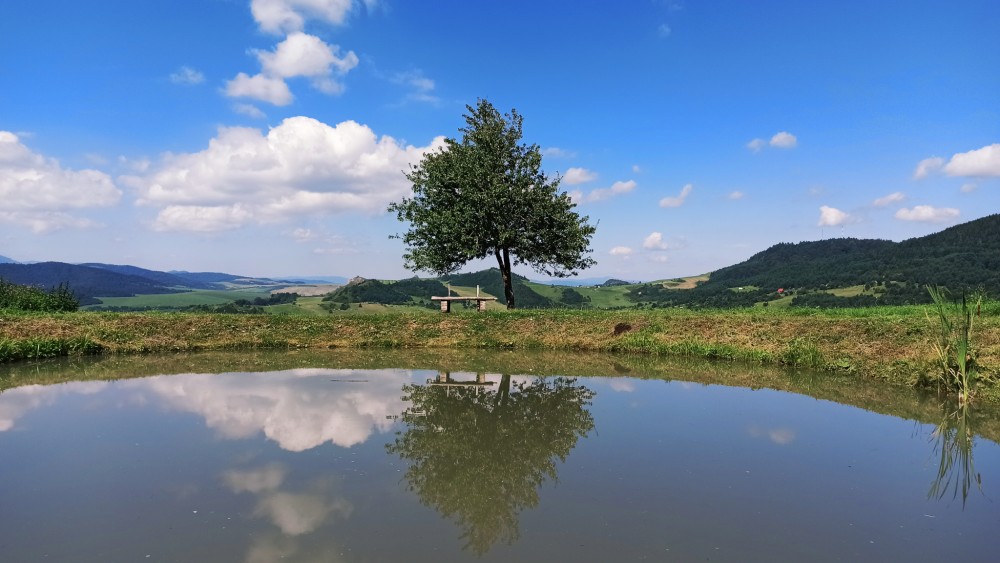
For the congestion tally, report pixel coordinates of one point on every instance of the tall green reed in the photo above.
(955, 352)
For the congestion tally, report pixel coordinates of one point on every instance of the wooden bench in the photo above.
(446, 302)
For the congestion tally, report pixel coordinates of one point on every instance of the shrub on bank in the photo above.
(29, 298)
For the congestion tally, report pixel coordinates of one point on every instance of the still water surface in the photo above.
(320, 464)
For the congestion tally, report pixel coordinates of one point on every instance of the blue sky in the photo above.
(266, 137)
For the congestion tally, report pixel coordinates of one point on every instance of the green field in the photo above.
(849, 291)
(183, 299)
(600, 297)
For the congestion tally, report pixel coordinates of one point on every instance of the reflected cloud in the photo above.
(267, 478)
(270, 548)
(622, 385)
(300, 513)
(294, 513)
(780, 436)
(299, 409)
(15, 403)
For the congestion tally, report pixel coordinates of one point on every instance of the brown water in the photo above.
(323, 464)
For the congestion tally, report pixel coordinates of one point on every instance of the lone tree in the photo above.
(486, 195)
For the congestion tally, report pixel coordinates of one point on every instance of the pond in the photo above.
(500, 457)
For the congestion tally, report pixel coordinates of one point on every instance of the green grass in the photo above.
(37, 348)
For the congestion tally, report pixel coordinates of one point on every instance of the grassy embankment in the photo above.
(893, 344)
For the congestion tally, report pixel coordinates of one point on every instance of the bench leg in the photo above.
(446, 306)
(480, 305)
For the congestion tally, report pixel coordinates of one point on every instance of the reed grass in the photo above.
(953, 345)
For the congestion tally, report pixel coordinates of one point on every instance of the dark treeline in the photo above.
(240, 306)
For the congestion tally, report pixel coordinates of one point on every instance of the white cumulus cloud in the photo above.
(249, 110)
(422, 88)
(655, 242)
(928, 214)
(268, 89)
(576, 176)
(618, 188)
(926, 166)
(299, 55)
(980, 162)
(187, 75)
(894, 197)
(304, 235)
(780, 140)
(679, 199)
(832, 217)
(282, 16)
(621, 251)
(556, 152)
(36, 191)
(301, 167)
(784, 140)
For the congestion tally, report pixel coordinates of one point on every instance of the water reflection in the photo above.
(954, 442)
(480, 450)
(299, 409)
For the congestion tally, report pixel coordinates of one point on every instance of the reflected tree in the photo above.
(954, 441)
(479, 454)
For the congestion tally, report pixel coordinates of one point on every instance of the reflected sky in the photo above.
(299, 465)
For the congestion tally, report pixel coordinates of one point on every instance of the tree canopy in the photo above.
(486, 195)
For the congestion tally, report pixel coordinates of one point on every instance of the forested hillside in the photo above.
(963, 257)
(403, 292)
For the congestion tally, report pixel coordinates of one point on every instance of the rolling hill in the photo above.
(176, 279)
(966, 256)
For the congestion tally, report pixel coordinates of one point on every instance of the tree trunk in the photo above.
(508, 286)
(503, 392)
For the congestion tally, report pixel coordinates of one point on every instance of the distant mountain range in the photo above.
(89, 281)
